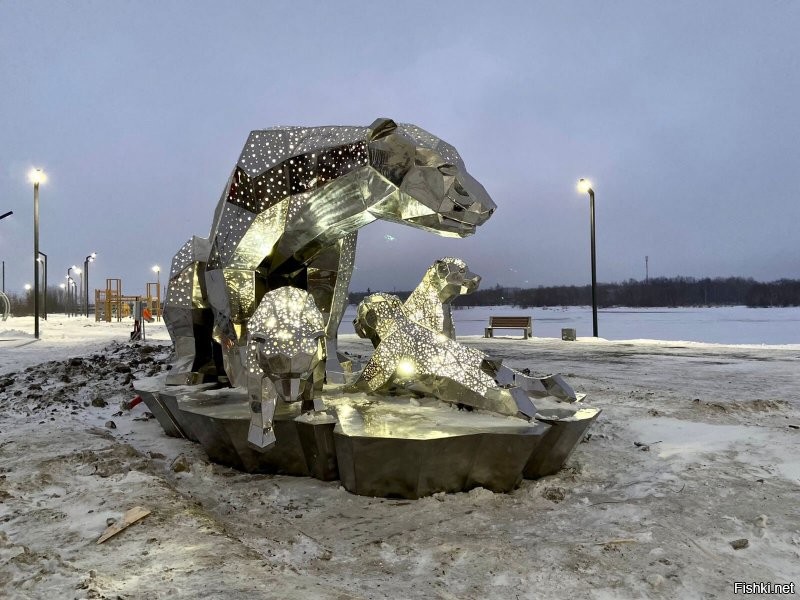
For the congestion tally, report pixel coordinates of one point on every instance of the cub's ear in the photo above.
(381, 128)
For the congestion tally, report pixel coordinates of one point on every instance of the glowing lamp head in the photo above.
(156, 269)
(77, 270)
(63, 286)
(584, 185)
(36, 176)
(28, 287)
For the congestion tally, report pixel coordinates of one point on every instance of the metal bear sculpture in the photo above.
(290, 214)
(283, 350)
(410, 355)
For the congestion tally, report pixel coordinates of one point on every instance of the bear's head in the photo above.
(450, 278)
(285, 335)
(428, 185)
(377, 316)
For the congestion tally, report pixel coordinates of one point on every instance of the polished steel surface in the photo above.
(284, 347)
(289, 215)
(430, 302)
(413, 358)
(258, 304)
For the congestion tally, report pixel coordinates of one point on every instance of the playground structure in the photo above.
(111, 304)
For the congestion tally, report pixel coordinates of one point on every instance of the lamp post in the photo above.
(78, 291)
(86, 262)
(157, 271)
(71, 295)
(3, 216)
(69, 292)
(37, 177)
(44, 296)
(584, 185)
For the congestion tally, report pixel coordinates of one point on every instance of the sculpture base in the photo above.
(389, 447)
(408, 449)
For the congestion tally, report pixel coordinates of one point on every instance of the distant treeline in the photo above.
(661, 291)
(22, 304)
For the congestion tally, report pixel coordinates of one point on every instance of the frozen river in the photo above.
(722, 325)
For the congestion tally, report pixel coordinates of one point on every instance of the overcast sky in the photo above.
(683, 114)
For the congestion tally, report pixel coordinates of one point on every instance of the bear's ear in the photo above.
(380, 128)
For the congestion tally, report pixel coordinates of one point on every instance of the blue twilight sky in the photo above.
(683, 114)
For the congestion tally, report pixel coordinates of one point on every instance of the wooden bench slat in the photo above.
(509, 321)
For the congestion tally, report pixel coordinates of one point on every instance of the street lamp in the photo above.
(78, 291)
(157, 271)
(584, 185)
(69, 292)
(44, 282)
(86, 262)
(3, 216)
(36, 176)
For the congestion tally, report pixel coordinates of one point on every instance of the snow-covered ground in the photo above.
(717, 428)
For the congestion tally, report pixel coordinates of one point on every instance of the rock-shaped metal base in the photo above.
(568, 424)
(390, 447)
(395, 448)
(218, 420)
(162, 400)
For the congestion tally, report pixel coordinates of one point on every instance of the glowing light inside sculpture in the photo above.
(405, 368)
(283, 350)
(258, 304)
(290, 214)
(441, 367)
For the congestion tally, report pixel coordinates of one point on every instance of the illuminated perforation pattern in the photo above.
(326, 189)
(335, 162)
(179, 291)
(430, 355)
(296, 203)
(266, 148)
(430, 141)
(328, 137)
(287, 323)
(269, 147)
(378, 315)
(302, 173)
(182, 259)
(233, 225)
(259, 193)
(407, 351)
(430, 302)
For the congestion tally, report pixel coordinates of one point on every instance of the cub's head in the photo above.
(451, 277)
(423, 181)
(377, 316)
(285, 335)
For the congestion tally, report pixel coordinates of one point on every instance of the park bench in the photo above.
(524, 323)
